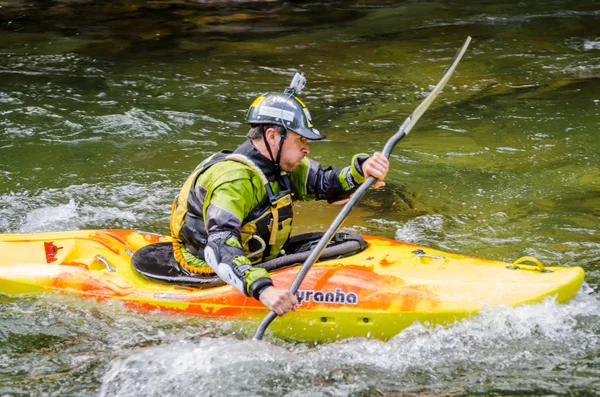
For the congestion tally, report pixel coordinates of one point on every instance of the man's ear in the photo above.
(271, 134)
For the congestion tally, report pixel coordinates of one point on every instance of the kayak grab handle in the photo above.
(106, 263)
(536, 261)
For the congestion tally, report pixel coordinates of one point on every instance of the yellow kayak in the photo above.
(373, 293)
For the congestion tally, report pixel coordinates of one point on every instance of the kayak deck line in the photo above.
(374, 293)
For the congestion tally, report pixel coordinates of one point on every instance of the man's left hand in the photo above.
(376, 166)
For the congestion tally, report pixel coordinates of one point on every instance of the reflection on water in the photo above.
(106, 107)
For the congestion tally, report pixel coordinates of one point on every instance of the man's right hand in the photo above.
(278, 300)
(376, 166)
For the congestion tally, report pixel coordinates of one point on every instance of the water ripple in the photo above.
(134, 122)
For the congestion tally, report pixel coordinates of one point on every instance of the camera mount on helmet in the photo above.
(297, 84)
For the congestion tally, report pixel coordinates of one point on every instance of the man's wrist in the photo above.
(259, 286)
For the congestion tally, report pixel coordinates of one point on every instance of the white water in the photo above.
(521, 348)
(84, 206)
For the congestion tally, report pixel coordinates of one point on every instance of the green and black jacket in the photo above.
(226, 210)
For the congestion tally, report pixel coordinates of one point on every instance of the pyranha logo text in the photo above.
(336, 297)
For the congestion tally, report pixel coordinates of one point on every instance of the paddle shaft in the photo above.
(387, 150)
(325, 239)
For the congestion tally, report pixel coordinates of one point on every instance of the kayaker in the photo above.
(222, 219)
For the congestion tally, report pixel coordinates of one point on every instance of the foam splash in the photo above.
(526, 344)
(591, 45)
(419, 229)
(86, 205)
(209, 367)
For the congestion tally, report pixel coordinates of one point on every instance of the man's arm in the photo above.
(230, 203)
(311, 181)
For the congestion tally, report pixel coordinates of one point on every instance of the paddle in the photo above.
(387, 149)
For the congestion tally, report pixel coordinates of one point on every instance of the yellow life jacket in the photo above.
(260, 239)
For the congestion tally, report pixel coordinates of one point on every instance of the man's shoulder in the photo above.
(229, 171)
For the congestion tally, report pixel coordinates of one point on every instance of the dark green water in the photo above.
(106, 107)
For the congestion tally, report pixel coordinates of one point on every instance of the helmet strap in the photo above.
(283, 136)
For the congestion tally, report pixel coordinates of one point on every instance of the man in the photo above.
(235, 210)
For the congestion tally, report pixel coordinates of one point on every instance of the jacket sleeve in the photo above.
(313, 182)
(226, 205)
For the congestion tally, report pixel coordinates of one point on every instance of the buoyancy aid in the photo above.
(261, 240)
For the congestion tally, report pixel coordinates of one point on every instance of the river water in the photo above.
(107, 106)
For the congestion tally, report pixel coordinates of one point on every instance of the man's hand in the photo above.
(376, 166)
(278, 300)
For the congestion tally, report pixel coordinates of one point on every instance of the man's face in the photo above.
(295, 148)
